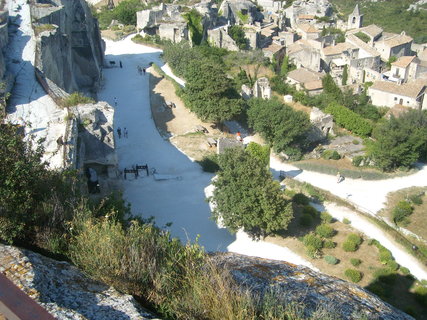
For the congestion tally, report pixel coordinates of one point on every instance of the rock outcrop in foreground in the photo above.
(64, 291)
(298, 285)
(68, 294)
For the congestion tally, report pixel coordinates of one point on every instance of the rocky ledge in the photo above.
(64, 291)
(293, 285)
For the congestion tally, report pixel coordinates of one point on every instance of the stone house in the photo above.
(219, 37)
(275, 51)
(391, 44)
(308, 31)
(323, 124)
(305, 53)
(372, 31)
(403, 69)
(410, 94)
(304, 79)
(299, 8)
(271, 5)
(262, 88)
(173, 31)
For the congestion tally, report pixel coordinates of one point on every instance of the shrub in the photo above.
(392, 265)
(402, 210)
(349, 246)
(301, 198)
(405, 271)
(350, 120)
(209, 163)
(353, 275)
(355, 262)
(331, 155)
(416, 199)
(329, 244)
(346, 221)
(325, 231)
(306, 220)
(353, 237)
(385, 275)
(75, 99)
(372, 242)
(421, 294)
(310, 240)
(310, 210)
(331, 260)
(356, 142)
(326, 217)
(313, 252)
(385, 255)
(357, 161)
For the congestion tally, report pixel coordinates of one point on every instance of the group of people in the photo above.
(125, 132)
(141, 70)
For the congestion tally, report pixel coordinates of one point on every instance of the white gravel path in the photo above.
(181, 202)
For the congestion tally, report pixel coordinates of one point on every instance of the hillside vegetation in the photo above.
(392, 16)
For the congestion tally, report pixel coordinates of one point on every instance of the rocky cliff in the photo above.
(4, 81)
(70, 51)
(67, 294)
(293, 285)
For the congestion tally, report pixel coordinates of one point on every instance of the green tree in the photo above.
(285, 67)
(262, 153)
(345, 75)
(247, 197)
(284, 128)
(238, 35)
(399, 142)
(194, 21)
(125, 11)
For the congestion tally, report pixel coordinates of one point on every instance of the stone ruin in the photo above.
(322, 125)
(261, 89)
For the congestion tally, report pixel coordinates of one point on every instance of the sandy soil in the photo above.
(178, 124)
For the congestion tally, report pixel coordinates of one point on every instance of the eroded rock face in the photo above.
(234, 10)
(70, 51)
(298, 285)
(64, 291)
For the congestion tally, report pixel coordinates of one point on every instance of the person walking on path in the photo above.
(119, 132)
(115, 101)
(143, 70)
(125, 132)
(121, 66)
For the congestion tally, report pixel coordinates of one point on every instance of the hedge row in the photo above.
(350, 120)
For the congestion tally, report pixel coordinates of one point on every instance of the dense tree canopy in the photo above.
(238, 35)
(284, 128)
(399, 142)
(247, 197)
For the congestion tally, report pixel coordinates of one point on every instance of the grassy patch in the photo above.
(75, 99)
(44, 27)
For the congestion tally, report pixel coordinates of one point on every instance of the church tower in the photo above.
(355, 20)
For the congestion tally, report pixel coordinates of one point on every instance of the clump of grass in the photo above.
(75, 99)
(353, 275)
(44, 27)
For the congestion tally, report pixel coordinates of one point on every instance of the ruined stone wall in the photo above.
(70, 52)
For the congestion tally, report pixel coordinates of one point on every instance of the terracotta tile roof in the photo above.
(351, 38)
(403, 62)
(313, 85)
(411, 89)
(337, 49)
(273, 48)
(306, 16)
(307, 28)
(397, 40)
(372, 30)
(304, 76)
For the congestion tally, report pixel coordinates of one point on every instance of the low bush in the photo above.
(350, 120)
(346, 221)
(306, 220)
(325, 231)
(331, 155)
(355, 262)
(372, 242)
(353, 275)
(401, 211)
(349, 246)
(313, 252)
(385, 275)
(326, 217)
(420, 292)
(331, 260)
(355, 238)
(405, 271)
(209, 163)
(416, 198)
(312, 241)
(75, 99)
(385, 255)
(329, 244)
(357, 161)
(392, 265)
(301, 198)
(310, 210)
